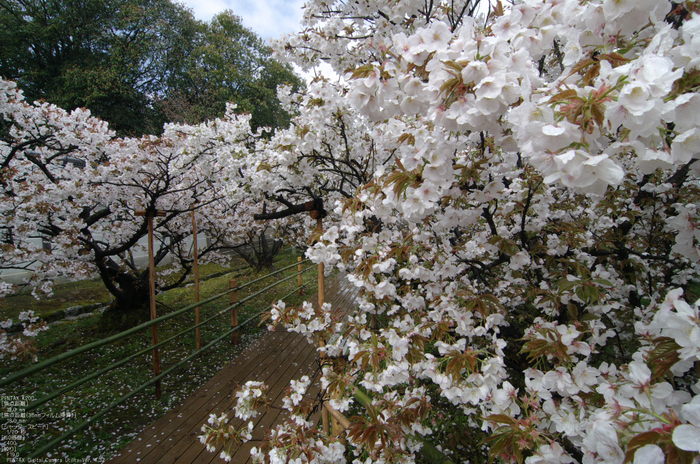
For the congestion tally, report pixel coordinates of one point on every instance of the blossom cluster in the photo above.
(515, 194)
(305, 320)
(71, 192)
(21, 346)
(218, 431)
(290, 440)
(524, 235)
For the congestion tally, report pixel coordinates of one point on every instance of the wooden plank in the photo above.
(222, 376)
(342, 295)
(276, 358)
(199, 404)
(279, 375)
(308, 367)
(218, 400)
(195, 426)
(154, 434)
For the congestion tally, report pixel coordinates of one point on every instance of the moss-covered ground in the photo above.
(102, 439)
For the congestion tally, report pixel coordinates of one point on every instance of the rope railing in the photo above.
(141, 327)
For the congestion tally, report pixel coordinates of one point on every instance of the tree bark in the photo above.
(261, 255)
(315, 207)
(131, 304)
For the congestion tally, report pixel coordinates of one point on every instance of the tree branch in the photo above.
(313, 206)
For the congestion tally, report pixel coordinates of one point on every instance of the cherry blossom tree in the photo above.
(325, 155)
(37, 143)
(67, 182)
(525, 237)
(323, 158)
(259, 242)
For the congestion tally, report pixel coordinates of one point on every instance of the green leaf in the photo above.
(363, 71)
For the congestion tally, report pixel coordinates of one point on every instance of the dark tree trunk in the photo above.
(131, 305)
(259, 253)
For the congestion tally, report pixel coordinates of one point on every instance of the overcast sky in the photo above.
(267, 18)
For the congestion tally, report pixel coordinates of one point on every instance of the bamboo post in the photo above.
(152, 284)
(197, 315)
(152, 288)
(324, 411)
(233, 298)
(341, 420)
(324, 419)
(335, 424)
(300, 280)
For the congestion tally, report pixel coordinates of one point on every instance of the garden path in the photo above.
(276, 358)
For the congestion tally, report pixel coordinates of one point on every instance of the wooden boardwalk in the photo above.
(276, 358)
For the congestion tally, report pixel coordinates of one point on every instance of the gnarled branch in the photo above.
(314, 207)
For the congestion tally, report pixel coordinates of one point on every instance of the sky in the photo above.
(267, 18)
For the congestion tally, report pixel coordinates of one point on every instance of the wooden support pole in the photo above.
(321, 301)
(321, 287)
(233, 298)
(195, 251)
(300, 280)
(321, 270)
(152, 284)
(152, 288)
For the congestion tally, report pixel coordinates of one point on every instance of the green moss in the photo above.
(64, 296)
(86, 292)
